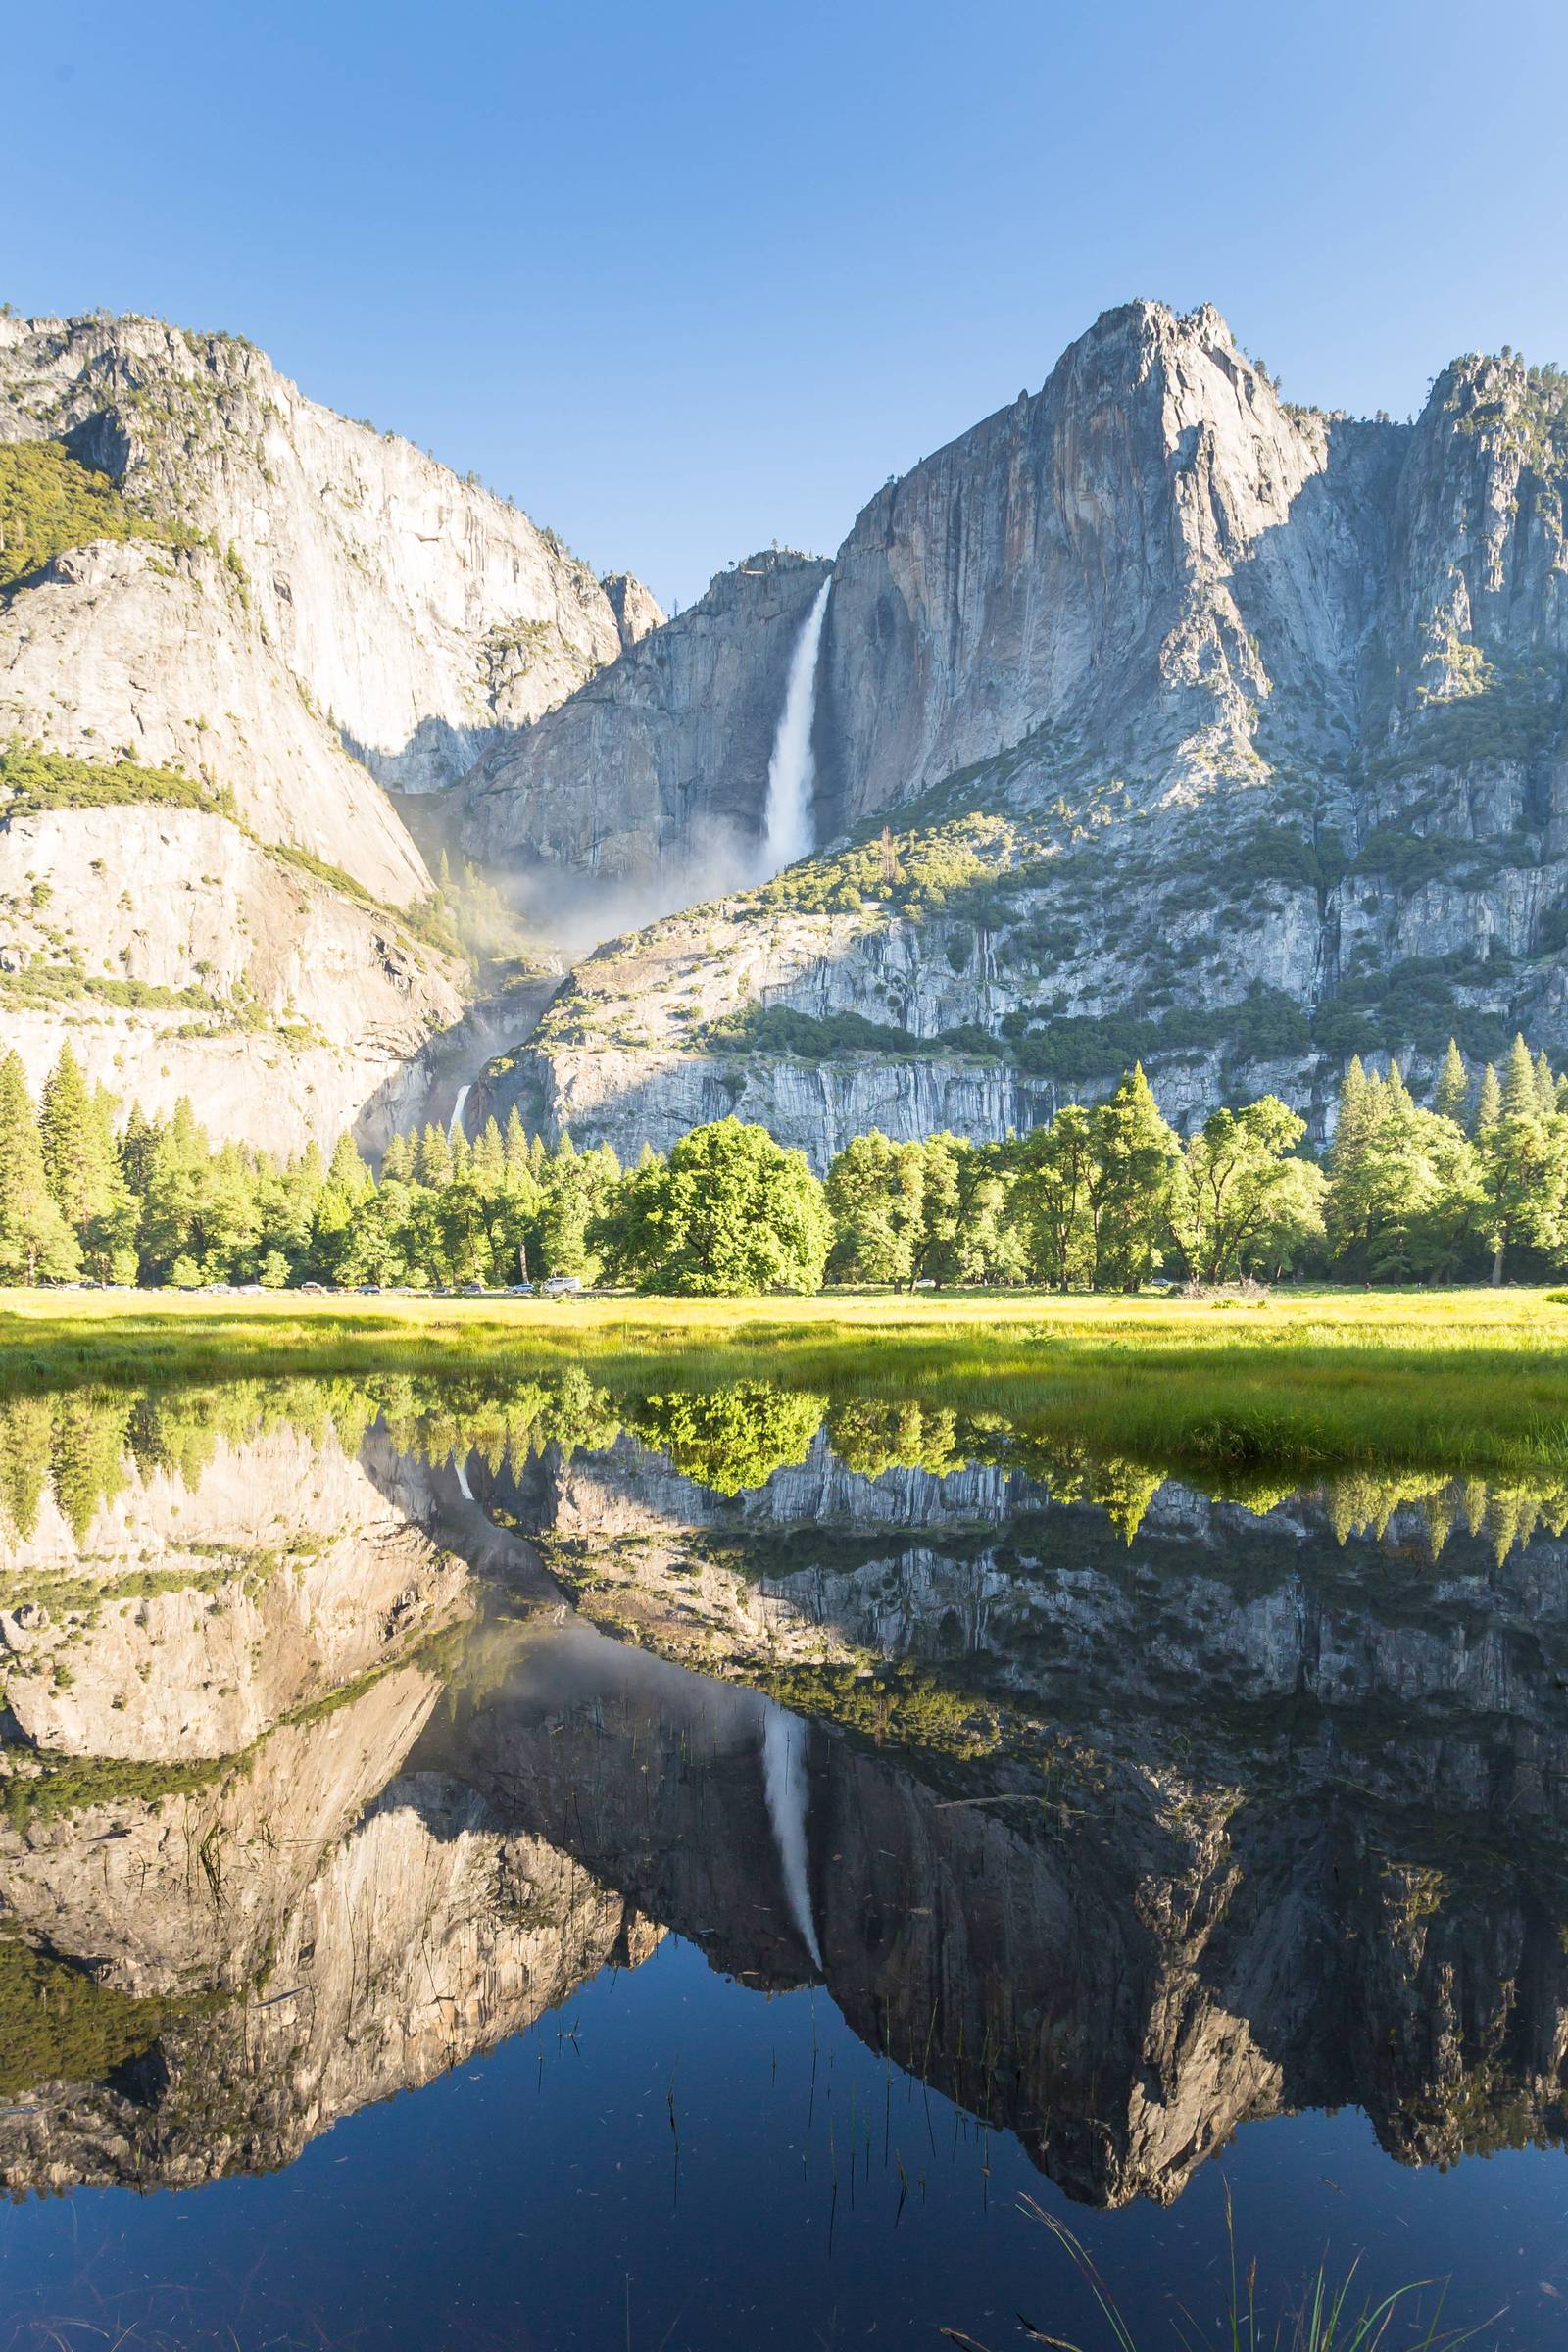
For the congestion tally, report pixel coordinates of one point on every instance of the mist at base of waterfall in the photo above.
(575, 912)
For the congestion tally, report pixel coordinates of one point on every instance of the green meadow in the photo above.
(1468, 1382)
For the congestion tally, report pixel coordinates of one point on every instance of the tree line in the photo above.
(1104, 1198)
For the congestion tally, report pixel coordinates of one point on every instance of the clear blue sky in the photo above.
(686, 275)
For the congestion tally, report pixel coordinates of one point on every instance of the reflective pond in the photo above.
(525, 1866)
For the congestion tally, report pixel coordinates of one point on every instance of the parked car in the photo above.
(561, 1286)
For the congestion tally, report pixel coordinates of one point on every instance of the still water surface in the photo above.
(545, 1870)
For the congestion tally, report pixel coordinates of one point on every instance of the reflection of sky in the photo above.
(531, 2198)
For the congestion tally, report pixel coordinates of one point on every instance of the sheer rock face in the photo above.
(408, 1940)
(169, 657)
(1253, 705)
(320, 610)
(655, 772)
(1074, 560)
(392, 591)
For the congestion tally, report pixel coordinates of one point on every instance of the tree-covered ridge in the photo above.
(49, 501)
(32, 780)
(1100, 1199)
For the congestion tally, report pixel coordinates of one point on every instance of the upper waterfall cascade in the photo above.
(792, 769)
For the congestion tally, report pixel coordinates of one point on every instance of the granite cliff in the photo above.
(647, 786)
(1155, 716)
(207, 577)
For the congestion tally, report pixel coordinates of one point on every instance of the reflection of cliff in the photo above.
(231, 1910)
(1118, 1842)
(1252, 1820)
(424, 1934)
(188, 1616)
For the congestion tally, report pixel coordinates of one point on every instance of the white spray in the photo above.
(785, 1785)
(456, 1128)
(791, 769)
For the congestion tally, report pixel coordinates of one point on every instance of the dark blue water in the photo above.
(544, 2198)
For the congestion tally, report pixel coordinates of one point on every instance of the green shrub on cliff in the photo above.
(49, 501)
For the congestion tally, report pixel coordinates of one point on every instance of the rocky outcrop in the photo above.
(192, 1614)
(167, 658)
(424, 1936)
(1136, 559)
(650, 784)
(185, 956)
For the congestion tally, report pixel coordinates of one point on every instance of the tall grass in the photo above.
(1322, 2316)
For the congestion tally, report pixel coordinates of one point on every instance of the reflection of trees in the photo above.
(81, 1446)
(729, 1438)
(871, 1435)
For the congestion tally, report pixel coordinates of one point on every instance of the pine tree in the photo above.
(1135, 1155)
(82, 1165)
(72, 1144)
(396, 1161)
(1489, 1101)
(1524, 1165)
(433, 1160)
(1396, 1095)
(1519, 1097)
(1451, 1094)
(34, 1238)
(109, 1236)
(489, 1154)
(1545, 1086)
(136, 1149)
(1356, 1116)
(516, 1145)
(347, 1171)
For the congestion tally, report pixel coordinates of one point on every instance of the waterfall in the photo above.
(456, 1127)
(791, 770)
(785, 1785)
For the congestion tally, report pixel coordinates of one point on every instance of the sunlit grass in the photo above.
(1463, 1381)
